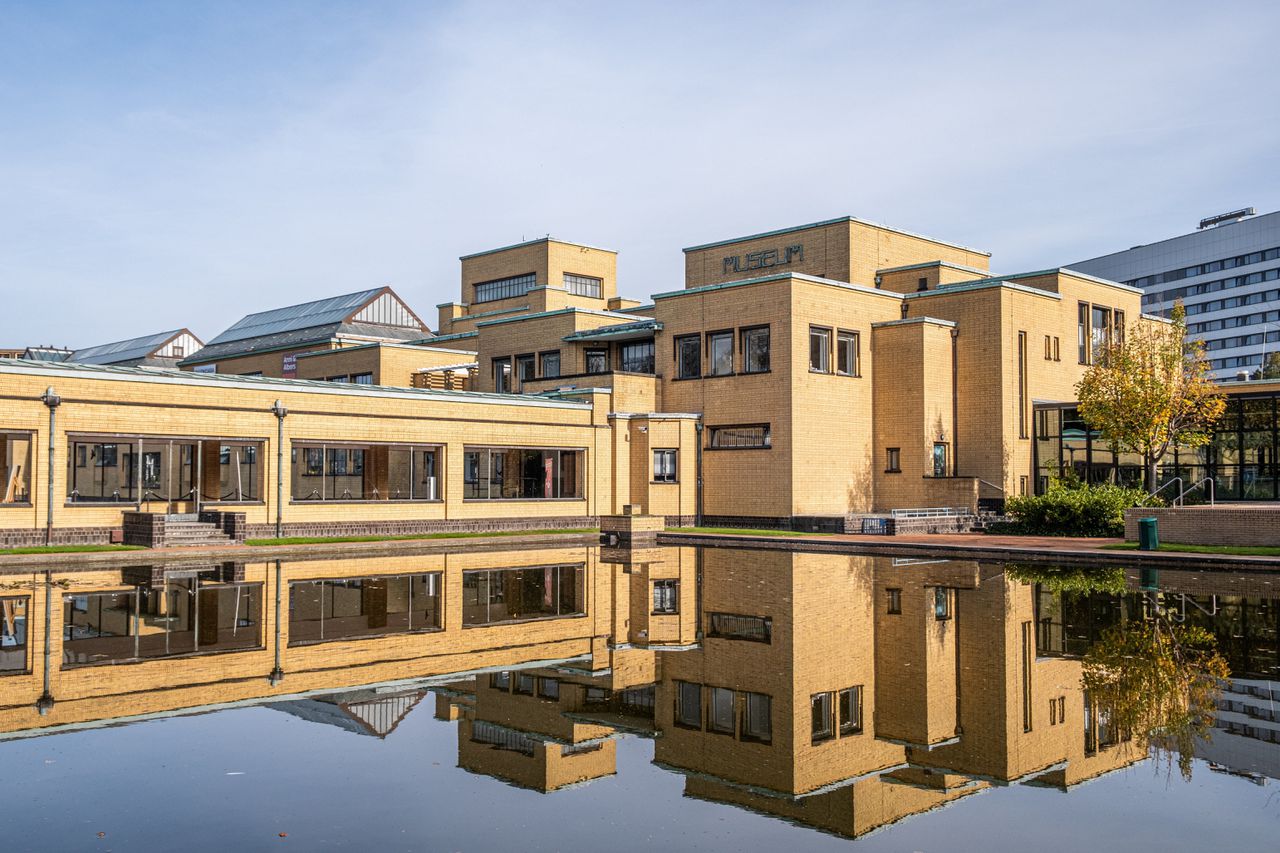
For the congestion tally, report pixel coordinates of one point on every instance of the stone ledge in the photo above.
(1223, 524)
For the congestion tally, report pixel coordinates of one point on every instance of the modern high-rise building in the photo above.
(1227, 274)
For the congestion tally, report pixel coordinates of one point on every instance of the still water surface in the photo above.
(587, 698)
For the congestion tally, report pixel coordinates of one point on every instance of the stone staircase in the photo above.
(188, 530)
(176, 530)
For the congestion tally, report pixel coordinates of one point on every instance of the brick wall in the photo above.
(1210, 525)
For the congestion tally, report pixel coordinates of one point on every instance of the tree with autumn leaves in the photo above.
(1151, 391)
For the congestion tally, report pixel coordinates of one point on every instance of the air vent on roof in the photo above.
(1225, 218)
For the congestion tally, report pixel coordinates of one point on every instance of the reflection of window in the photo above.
(735, 626)
(939, 459)
(721, 706)
(500, 681)
(688, 357)
(666, 596)
(893, 460)
(107, 456)
(664, 466)
(13, 635)
(315, 461)
(757, 718)
(525, 684)
(744, 436)
(895, 601)
(820, 714)
(688, 704)
(941, 603)
(720, 353)
(755, 350)
(548, 688)
(850, 702)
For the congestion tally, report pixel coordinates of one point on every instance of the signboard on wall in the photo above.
(764, 260)
(290, 366)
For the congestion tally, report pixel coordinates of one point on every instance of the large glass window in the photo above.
(102, 472)
(354, 608)
(819, 349)
(13, 635)
(366, 472)
(720, 353)
(582, 285)
(182, 616)
(688, 357)
(493, 596)
(514, 473)
(505, 288)
(15, 467)
(636, 356)
(848, 353)
(239, 473)
(745, 436)
(755, 350)
(666, 596)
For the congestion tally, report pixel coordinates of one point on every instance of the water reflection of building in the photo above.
(841, 692)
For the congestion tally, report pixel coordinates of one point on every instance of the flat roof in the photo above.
(266, 383)
(596, 312)
(547, 239)
(983, 273)
(798, 276)
(384, 344)
(1199, 232)
(835, 221)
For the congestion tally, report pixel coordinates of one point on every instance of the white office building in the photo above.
(1227, 274)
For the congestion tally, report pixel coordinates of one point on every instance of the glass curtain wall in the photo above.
(353, 608)
(492, 596)
(142, 469)
(511, 473)
(365, 472)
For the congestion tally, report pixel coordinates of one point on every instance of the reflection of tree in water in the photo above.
(1157, 679)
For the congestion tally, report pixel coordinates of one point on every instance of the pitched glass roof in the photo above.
(122, 350)
(335, 309)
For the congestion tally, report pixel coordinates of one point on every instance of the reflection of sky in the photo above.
(164, 785)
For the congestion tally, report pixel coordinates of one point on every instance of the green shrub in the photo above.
(1069, 510)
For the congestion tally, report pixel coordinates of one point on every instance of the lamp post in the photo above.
(51, 399)
(280, 412)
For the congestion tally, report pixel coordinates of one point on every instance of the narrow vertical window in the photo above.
(755, 350)
(821, 712)
(893, 460)
(850, 711)
(525, 367)
(1027, 651)
(939, 459)
(720, 353)
(1082, 331)
(894, 600)
(848, 354)
(666, 596)
(941, 603)
(502, 375)
(819, 350)
(1022, 384)
(688, 353)
(757, 718)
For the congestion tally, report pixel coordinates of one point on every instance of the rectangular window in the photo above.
(1101, 330)
(518, 473)
(636, 357)
(505, 288)
(939, 459)
(502, 375)
(821, 716)
(735, 626)
(1048, 348)
(498, 596)
(13, 635)
(688, 350)
(1082, 331)
(357, 608)
(550, 364)
(548, 688)
(1056, 354)
(362, 378)
(922, 284)
(1118, 330)
(688, 705)
(666, 596)
(721, 717)
(757, 717)
(893, 460)
(848, 353)
(180, 616)
(525, 367)
(525, 684)
(739, 437)
(720, 353)
(597, 360)
(1022, 384)
(1028, 655)
(894, 600)
(819, 349)
(583, 285)
(755, 350)
(15, 466)
(664, 466)
(941, 603)
(370, 472)
(501, 681)
(850, 702)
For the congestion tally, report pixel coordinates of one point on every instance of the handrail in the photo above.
(1178, 500)
(999, 489)
(1177, 480)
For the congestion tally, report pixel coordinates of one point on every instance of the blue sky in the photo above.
(182, 164)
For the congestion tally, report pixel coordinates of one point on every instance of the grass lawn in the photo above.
(1230, 550)
(69, 549)
(743, 531)
(328, 540)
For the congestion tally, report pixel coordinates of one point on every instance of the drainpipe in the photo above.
(955, 407)
(52, 400)
(697, 521)
(277, 674)
(280, 412)
(45, 703)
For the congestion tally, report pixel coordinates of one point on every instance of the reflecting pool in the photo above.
(588, 698)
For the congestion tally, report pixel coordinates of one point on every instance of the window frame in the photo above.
(893, 601)
(828, 731)
(854, 341)
(671, 594)
(893, 460)
(712, 338)
(714, 431)
(678, 347)
(824, 333)
(743, 334)
(587, 353)
(542, 363)
(660, 474)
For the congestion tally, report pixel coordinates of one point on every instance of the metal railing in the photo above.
(1178, 501)
(931, 512)
(1177, 480)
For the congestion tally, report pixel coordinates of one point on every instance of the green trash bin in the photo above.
(1148, 535)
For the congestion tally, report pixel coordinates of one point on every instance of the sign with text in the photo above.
(764, 260)
(290, 366)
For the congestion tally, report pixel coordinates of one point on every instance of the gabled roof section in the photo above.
(134, 348)
(51, 354)
(379, 306)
